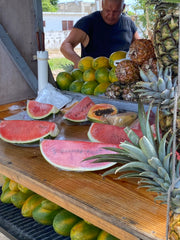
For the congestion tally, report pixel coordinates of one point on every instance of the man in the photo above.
(101, 33)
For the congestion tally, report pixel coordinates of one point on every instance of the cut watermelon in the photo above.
(24, 131)
(69, 155)
(104, 133)
(37, 110)
(79, 112)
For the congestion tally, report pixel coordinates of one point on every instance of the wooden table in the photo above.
(118, 207)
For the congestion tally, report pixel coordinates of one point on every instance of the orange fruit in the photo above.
(101, 88)
(76, 86)
(116, 56)
(88, 87)
(102, 75)
(100, 62)
(77, 74)
(64, 79)
(85, 63)
(89, 75)
(112, 75)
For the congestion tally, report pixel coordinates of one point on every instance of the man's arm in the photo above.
(75, 37)
(136, 36)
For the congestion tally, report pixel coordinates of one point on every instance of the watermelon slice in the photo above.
(25, 131)
(104, 133)
(79, 112)
(37, 110)
(69, 155)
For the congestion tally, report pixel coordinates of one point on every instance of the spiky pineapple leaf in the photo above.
(134, 152)
(132, 136)
(147, 147)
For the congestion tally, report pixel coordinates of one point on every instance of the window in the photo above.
(67, 25)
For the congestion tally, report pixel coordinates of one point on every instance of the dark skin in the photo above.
(111, 12)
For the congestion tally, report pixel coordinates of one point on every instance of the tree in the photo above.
(49, 5)
(143, 14)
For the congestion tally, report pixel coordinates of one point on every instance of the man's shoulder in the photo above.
(126, 17)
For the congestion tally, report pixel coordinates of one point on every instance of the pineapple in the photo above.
(120, 91)
(141, 50)
(166, 33)
(127, 72)
(152, 161)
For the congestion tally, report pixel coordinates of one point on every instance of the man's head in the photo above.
(111, 10)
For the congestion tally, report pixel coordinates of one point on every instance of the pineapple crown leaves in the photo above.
(160, 89)
(68, 67)
(147, 159)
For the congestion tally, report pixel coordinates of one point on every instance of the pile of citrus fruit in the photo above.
(93, 75)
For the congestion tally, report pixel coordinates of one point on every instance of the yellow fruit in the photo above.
(64, 79)
(102, 75)
(101, 88)
(112, 75)
(89, 75)
(30, 204)
(106, 236)
(85, 63)
(76, 86)
(88, 87)
(100, 62)
(23, 188)
(77, 74)
(64, 221)
(116, 56)
(13, 186)
(84, 231)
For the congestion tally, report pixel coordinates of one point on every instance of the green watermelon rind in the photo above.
(53, 110)
(90, 136)
(51, 134)
(85, 119)
(79, 169)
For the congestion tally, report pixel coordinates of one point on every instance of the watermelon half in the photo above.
(25, 131)
(69, 155)
(104, 133)
(79, 112)
(37, 110)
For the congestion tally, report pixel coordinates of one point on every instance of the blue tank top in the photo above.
(105, 39)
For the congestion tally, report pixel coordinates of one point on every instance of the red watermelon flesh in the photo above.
(79, 112)
(25, 131)
(104, 133)
(37, 110)
(69, 155)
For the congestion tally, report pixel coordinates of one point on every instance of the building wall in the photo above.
(54, 36)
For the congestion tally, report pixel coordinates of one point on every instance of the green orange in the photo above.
(89, 75)
(64, 79)
(112, 75)
(85, 63)
(76, 86)
(101, 88)
(77, 74)
(88, 87)
(100, 62)
(102, 75)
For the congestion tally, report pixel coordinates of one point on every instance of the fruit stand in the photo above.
(118, 207)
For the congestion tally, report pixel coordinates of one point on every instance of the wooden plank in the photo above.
(18, 60)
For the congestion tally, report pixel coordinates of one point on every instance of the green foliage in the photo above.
(49, 5)
(144, 16)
